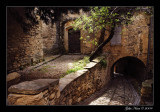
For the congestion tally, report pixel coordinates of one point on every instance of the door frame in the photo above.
(68, 26)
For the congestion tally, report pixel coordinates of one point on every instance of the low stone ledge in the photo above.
(13, 78)
(32, 87)
(146, 91)
(98, 59)
(70, 90)
(36, 92)
(90, 65)
(63, 82)
(81, 84)
(17, 99)
(147, 83)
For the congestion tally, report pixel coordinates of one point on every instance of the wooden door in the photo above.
(74, 41)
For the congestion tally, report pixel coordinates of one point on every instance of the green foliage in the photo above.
(81, 38)
(76, 68)
(100, 17)
(147, 9)
(103, 63)
(97, 19)
(78, 65)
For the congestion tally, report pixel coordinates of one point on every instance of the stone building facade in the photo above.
(22, 48)
(50, 42)
(25, 49)
(134, 40)
(85, 46)
(134, 43)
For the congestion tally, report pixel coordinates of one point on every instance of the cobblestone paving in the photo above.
(53, 69)
(118, 92)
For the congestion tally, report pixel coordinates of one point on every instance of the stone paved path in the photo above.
(118, 92)
(52, 69)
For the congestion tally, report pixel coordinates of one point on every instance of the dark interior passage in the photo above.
(74, 41)
(129, 66)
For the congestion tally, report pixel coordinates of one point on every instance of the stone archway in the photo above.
(131, 66)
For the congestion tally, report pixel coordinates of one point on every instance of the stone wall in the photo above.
(37, 92)
(50, 42)
(13, 78)
(86, 45)
(78, 86)
(23, 48)
(147, 92)
(70, 90)
(134, 41)
(151, 53)
(26, 48)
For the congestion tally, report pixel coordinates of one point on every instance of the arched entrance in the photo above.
(129, 66)
(73, 41)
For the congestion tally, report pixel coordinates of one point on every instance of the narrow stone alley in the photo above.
(118, 92)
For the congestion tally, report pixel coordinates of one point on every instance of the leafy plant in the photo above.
(103, 63)
(101, 19)
(78, 65)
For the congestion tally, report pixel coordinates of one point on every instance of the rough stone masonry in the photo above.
(68, 90)
(37, 92)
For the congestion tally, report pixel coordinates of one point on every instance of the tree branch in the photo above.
(102, 44)
(113, 10)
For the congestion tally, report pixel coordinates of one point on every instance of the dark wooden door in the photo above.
(74, 41)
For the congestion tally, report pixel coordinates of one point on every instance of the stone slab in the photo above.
(147, 83)
(75, 75)
(13, 76)
(98, 59)
(62, 86)
(90, 65)
(33, 87)
(63, 82)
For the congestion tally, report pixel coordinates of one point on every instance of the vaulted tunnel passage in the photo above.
(129, 66)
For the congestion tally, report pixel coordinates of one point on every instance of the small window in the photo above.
(116, 40)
